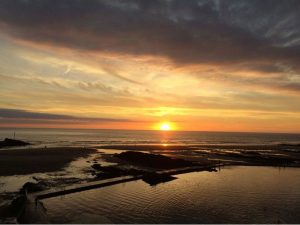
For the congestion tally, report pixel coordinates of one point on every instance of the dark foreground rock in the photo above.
(155, 178)
(10, 213)
(153, 160)
(151, 178)
(30, 187)
(7, 142)
(105, 172)
(96, 166)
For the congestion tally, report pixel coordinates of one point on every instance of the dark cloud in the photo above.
(265, 68)
(187, 32)
(17, 115)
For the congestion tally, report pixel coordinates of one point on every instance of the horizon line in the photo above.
(169, 131)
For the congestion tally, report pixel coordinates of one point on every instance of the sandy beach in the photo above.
(27, 161)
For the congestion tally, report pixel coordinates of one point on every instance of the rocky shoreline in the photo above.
(154, 165)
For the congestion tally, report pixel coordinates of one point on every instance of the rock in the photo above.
(212, 170)
(155, 178)
(32, 187)
(12, 142)
(153, 160)
(115, 171)
(97, 166)
(135, 172)
(18, 204)
(9, 220)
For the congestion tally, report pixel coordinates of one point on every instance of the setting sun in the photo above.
(165, 126)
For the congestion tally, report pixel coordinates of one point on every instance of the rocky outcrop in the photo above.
(153, 160)
(30, 187)
(7, 142)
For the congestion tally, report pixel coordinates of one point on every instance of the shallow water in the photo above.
(77, 169)
(233, 195)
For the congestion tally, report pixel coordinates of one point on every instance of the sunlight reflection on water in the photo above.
(77, 137)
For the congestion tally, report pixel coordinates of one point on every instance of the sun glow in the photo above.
(165, 126)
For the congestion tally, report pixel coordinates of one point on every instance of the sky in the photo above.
(208, 65)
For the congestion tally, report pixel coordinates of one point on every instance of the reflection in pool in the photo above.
(234, 195)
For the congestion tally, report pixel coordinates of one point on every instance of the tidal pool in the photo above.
(233, 195)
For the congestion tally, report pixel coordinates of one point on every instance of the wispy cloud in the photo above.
(24, 115)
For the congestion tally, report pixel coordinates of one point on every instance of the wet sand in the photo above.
(27, 161)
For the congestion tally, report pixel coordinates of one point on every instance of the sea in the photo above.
(89, 138)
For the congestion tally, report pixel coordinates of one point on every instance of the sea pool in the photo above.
(233, 195)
